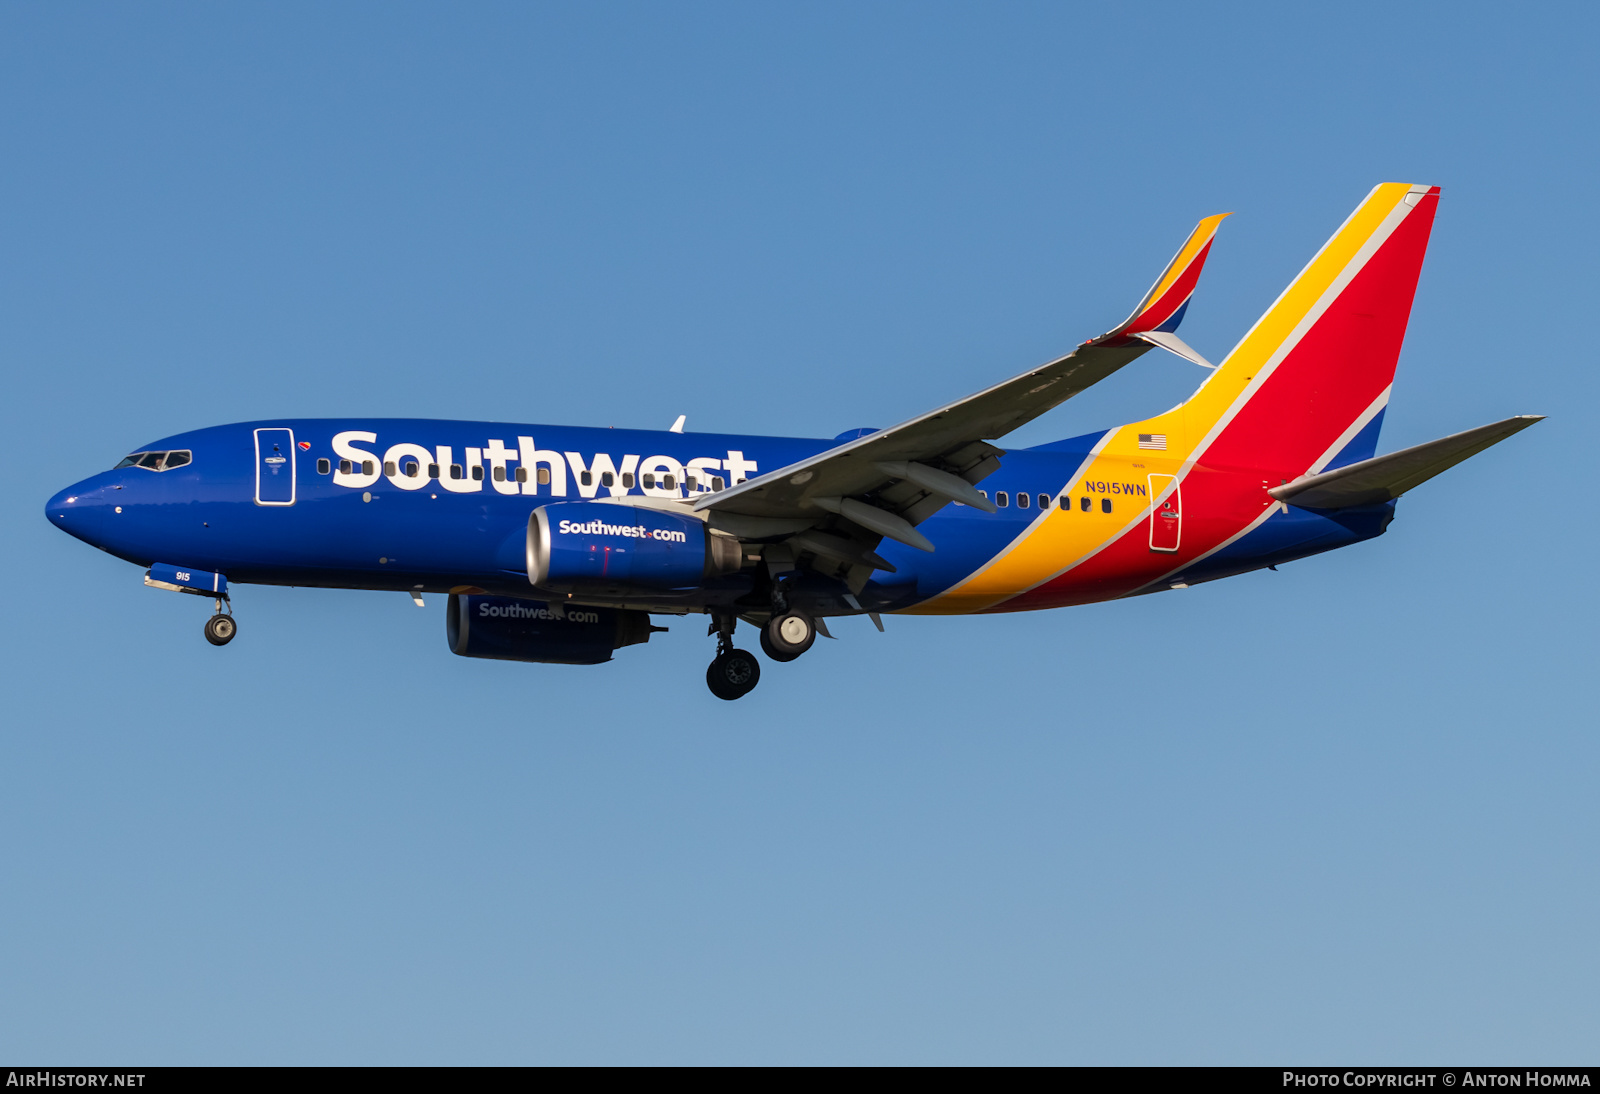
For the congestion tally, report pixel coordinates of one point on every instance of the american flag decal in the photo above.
(1155, 442)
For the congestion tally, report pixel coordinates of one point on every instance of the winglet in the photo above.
(1163, 306)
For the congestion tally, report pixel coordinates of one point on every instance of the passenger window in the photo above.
(1084, 504)
(1001, 498)
(433, 471)
(455, 471)
(1022, 501)
(500, 475)
(477, 472)
(690, 482)
(544, 476)
(985, 493)
(323, 467)
(388, 467)
(627, 480)
(1044, 501)
(178, 459)
(344, 467)
(522, 474)
(670, 482)
(1066, 503)
(716, 482)
(587, 478)
(649, 482)
(1105, 505)
(607, 478)
(411, 469)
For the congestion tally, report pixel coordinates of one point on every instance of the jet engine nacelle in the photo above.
(585, 544)
(505, 628)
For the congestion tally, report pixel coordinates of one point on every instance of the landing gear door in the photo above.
(1166, 515)
(274, 467)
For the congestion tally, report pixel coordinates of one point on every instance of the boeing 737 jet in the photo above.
(557, 544)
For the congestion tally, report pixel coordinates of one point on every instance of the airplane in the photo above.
(557, 544)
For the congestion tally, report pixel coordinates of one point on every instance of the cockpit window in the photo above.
(157, 461)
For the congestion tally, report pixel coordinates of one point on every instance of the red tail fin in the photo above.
(1316, 368)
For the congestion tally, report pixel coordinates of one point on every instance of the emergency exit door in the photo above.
(274, 467)
(1166, 518)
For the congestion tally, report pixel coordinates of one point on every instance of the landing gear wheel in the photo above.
(220, 630)
(788, 635)
(733, 674)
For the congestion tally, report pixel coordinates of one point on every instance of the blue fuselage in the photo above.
(439, 505)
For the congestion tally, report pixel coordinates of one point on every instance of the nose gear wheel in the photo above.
(220, 629)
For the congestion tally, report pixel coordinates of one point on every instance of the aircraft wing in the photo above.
(889, 481)
(1384, 478)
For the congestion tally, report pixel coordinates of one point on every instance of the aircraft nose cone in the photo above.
(58, 507)
(77, 511)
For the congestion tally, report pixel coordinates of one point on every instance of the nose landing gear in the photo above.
(221, 628)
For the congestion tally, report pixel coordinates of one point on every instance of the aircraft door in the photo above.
(274, 467)
(1166, 519)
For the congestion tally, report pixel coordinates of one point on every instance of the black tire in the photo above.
(787, 636)
(772, 651)
(733, 675)
(220, 630)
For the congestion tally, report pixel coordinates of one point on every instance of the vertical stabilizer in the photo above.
(1312, 376)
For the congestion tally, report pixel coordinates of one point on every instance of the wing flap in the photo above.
(1384, 478)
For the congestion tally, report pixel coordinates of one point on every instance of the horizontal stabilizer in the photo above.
(1385, 478)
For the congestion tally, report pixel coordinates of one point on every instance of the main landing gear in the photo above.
(787, 635)
(221, 628)
(735, 672)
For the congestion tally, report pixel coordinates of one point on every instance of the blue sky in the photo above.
(1341, 811)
